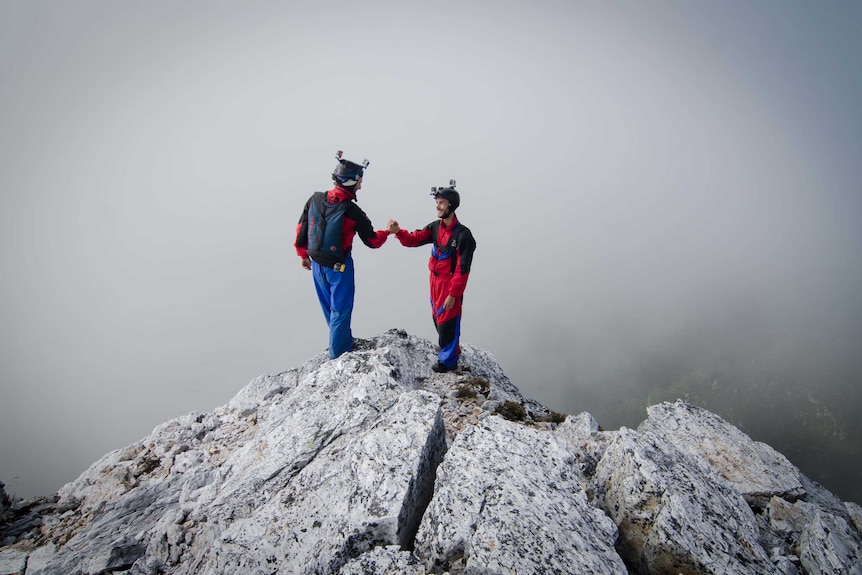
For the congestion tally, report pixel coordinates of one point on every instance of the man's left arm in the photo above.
(366, 232)
(466, 247)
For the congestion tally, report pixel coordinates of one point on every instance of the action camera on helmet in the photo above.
(448, 193)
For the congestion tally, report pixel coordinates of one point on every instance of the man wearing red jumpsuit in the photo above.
(451, 258)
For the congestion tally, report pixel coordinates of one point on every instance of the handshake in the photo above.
(393, 227)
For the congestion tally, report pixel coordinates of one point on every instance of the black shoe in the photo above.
(442, 368)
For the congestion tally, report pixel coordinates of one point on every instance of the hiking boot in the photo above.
(443, 368)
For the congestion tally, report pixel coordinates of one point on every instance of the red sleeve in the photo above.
(464, 262)
(414, 239)
(301, 251)
(301, 240)
(458, 283)
(378, 239)
(357, 222)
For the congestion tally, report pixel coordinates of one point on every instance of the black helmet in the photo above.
(448, 194)
(346, 172)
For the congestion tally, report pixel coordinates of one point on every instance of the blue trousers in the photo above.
(448, 336)
(336, 291)
(447, 321)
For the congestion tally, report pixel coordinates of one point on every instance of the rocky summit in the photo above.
(372, 464)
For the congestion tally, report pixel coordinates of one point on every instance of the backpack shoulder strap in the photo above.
(455, 243)
(435, 231)
(319, 201)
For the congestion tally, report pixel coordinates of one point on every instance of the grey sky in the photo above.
(629, 170)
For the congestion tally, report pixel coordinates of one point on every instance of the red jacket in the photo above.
(355, 222)
(442, 267)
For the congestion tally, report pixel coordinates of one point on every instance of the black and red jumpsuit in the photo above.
(451, 258)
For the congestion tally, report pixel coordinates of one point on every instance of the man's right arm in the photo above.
(416, 238)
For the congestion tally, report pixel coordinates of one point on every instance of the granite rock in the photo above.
(372, 464)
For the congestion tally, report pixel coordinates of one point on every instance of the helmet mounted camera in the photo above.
(449, 194)
(347, 173)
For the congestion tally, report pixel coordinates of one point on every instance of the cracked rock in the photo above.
(371, 464)
(507, 500)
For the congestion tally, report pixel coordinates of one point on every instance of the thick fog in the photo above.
(665, 198)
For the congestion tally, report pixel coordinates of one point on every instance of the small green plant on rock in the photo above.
(480, 383)
(552, 417)
(513, 411)
(472, 386)
(558, 417)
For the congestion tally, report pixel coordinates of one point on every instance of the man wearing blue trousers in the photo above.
(324, 241)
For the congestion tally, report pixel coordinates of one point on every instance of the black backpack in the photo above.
(325, 225)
